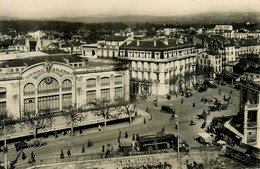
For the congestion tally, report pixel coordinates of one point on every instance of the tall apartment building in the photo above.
(158, 66)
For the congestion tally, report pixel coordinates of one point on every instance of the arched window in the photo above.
(105, 81)
(118, 80)
(48, 85)
(66, 85)
(91, 82)
(29, 89)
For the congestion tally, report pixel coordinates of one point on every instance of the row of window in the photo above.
(105, 81)
(105, 94)
(51, 102)
(47, 85)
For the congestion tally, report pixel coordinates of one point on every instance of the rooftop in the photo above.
(157, 44)
(116, 38)
(33, 60)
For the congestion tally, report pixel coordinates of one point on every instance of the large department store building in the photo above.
(56, 81)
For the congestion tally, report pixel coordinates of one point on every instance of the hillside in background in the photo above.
(209, 18)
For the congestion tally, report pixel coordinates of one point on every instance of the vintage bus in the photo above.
(150, 142)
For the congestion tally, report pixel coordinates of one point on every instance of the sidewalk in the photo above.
(60, 123)
(76, 151)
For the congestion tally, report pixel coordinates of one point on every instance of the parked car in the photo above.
(202, 89)
(205, 138)
(210, 84)
(31, 143)
(167, 109)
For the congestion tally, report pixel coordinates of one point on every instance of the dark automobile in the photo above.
(210, 84)
(202, 89)
(167, 109)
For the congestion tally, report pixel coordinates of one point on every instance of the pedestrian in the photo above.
(119, 134)
(103, 148)
(56, 135)
(61, 154)
(133, 138)
(32, 155)
(144, 120)
(69, 153)
(99, 128)
(126, 135)
(112, 149)
(193, 105)
(89, 143)
(181, 101)
(83, 149)
(23, 156)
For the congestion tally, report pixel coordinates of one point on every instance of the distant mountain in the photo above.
(211, 17)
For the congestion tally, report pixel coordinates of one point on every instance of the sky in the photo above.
(77, 8)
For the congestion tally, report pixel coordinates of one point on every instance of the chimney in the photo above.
(137, 42)
(166, 41)
(154, 42)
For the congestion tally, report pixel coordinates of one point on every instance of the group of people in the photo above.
(31, 160)
(107, 151)
(62, 154)
(194, 165)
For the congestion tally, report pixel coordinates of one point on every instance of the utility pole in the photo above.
(5, 149)
(178, 151)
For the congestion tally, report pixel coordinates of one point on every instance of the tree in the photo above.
(73, 115)
(6, 127)
(104, 108)
(128, 107)
(38, 119)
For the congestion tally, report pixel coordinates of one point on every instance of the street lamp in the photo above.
(178, 133)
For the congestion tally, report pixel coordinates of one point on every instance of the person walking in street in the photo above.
(103, 148)
(126, 135)
(182, 101)
(193, 105)
(133, 138)
(32, 155)
(23, 156)
(99, 128)
(61, 154)
(119, 135)
(69, 153)
(83, 149)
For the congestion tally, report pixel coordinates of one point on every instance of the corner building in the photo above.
(57, 81)
(160, 66)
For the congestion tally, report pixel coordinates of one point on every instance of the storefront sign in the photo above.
(53, 70)
(135, 162)
(47, 68)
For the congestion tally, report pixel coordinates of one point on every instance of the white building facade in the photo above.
(56, 85)
(159, 66)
